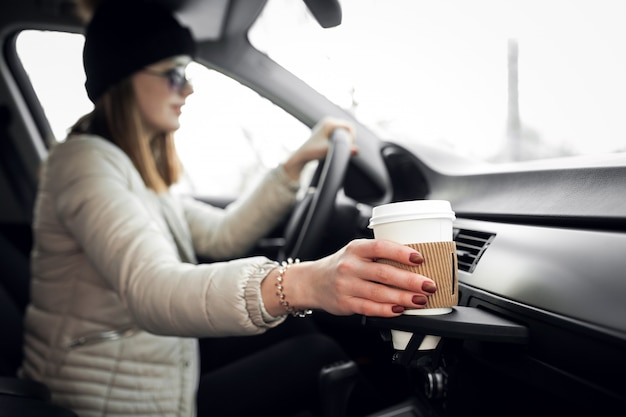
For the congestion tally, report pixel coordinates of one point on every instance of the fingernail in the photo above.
(429, 287)
(416, 258)
(419, 300)
(397, 309)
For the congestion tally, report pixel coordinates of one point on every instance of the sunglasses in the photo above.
(176, 77)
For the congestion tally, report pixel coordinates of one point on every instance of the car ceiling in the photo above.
(208, 19)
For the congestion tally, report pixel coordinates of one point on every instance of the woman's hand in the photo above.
(350, 281)
(316, 147)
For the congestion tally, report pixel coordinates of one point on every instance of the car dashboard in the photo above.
(541, 249)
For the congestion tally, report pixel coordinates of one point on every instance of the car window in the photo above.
(229, 134)
(495, 80)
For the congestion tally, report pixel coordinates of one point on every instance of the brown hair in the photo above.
(116, 118)
(84, 9)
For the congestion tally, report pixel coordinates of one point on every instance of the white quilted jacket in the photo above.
(114, 313)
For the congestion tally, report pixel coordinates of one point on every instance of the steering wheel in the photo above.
(310, 216)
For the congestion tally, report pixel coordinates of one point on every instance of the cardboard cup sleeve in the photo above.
(440, 264)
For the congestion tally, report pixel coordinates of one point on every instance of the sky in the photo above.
(437, 69)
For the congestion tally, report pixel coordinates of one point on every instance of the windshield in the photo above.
(494, 80)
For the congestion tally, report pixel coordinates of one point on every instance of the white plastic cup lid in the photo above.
(411, 210)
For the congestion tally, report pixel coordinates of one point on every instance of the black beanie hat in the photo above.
(126, 35)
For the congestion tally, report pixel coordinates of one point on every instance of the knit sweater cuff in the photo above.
(254, 300)
(284, 179)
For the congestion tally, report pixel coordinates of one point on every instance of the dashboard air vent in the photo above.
(470, 246)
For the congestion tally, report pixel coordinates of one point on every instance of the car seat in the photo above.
(18, 397)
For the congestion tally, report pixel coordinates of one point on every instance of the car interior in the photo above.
(540, 326)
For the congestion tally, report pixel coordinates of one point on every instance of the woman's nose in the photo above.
(187, 89)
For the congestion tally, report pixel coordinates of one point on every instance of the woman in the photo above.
(118, 301)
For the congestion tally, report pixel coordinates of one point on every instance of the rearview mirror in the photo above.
(326, 12)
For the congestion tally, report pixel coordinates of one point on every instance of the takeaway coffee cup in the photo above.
(425, 225)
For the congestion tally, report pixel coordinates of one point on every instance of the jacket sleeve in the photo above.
(231, 232)
(101, 201)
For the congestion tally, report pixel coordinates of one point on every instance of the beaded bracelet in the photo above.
(284, 266)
